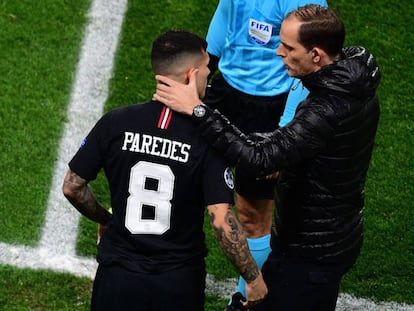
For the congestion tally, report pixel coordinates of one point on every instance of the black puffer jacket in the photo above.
(323, 155)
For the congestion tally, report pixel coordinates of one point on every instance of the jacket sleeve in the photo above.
(306, 135)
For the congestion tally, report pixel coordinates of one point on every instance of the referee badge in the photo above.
(260, 32)
(228, 178)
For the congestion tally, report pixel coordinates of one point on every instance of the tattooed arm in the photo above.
(78, 193)
(232, 240)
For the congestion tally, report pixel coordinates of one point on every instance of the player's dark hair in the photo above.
(173, 45)
(321, 27)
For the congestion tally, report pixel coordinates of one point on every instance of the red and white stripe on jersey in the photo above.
(165, 118)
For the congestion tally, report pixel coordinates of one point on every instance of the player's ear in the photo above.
(189, 73)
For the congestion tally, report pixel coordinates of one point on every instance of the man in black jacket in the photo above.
(322, 157)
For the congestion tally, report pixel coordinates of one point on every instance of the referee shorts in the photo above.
(251, 114)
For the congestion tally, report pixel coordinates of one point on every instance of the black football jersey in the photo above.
(161, 175)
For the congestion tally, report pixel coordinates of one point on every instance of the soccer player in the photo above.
(161, 176)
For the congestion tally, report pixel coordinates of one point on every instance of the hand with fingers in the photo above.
(177, 96)
(256, 292)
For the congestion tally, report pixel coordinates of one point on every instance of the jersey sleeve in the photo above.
(296, 95)
(88, 160)
(218, 181)
(218, 27)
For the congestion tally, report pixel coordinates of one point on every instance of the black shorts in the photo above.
(251, 114)
(118, 289)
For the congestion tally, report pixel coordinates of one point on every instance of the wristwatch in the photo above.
(199, 111)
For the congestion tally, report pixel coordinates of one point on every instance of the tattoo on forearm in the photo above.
(232, 240)
(82, 198)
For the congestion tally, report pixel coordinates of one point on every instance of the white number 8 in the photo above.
(156, 200)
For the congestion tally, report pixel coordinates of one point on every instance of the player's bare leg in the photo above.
(254, 215)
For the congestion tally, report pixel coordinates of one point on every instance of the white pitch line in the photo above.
(86, 106)
(43, 258)
(225, 288)
(350, 303)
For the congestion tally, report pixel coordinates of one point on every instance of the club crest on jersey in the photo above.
(228, 178)
(259, 31)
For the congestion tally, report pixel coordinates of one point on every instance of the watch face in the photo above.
(199, 111)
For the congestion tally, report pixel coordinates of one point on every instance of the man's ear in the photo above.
(317, 54)
(189, 73)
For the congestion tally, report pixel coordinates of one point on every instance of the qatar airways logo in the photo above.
(260, 32)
